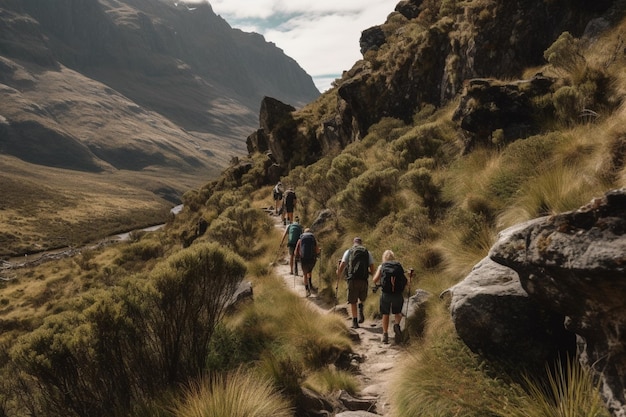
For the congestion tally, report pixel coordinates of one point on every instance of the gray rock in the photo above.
(496, 318)
(574, 264)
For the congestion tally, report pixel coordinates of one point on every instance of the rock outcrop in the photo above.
(420, 58)
(490, 105)
(572, 266)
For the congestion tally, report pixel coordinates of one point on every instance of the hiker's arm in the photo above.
(376, 276)
(340, 268)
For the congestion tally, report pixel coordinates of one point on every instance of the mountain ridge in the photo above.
(154, 91)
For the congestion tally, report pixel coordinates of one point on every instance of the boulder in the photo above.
(372, 39)
(415, 322)
(574, 264)
(409, 8)
(495, 317)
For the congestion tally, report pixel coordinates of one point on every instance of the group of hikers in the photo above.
(355, 266)
(284, 202)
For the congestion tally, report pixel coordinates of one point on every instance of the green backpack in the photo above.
(294, 232)
(358, 263)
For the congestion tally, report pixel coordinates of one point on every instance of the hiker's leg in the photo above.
(397, 318)
(353, 310)
(385, 323)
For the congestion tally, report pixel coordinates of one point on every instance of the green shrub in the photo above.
(423, 141)
(239, 228)
(370, 197)
(566, 54)
(421, 182)
(191, 290)
(343, 168)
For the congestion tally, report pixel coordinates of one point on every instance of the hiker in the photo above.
(292, 233)
(290, 204)
(277, 193)
(308, 251)
(359, 264)
(392, 281)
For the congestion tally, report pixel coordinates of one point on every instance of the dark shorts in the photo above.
(391, 303)
(289, 207)
(307, 265)
(292, 249)
(357, 290)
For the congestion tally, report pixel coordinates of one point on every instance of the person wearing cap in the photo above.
(357, 285)
(278, 197)
(292, 233)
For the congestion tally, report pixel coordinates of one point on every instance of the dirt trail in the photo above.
(378, 359)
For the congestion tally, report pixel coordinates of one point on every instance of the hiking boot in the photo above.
(361, 315)
(284, 222)
(397, 333)
(385, 338)
(355, 323)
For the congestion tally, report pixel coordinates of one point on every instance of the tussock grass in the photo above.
(237, 394)
(327, 381)
(568, 392)
(443, 378)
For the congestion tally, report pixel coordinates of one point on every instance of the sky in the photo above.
(321, 35)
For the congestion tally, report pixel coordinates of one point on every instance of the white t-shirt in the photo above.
(346, 254)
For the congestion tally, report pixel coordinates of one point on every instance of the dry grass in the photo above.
(45, 208)
(238, 394)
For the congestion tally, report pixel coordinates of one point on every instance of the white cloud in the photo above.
(321, 35)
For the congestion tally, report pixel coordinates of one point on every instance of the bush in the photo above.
(420, 142)
(130, 343)
(239, 228)
(370, 197)
(190, 294)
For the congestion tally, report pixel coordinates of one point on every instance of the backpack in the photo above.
(358, 263)
(278, 194)
(307, 246)
(392, 278)
(295, 230)
(289, 197)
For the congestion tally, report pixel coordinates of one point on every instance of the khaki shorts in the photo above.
(357, 290)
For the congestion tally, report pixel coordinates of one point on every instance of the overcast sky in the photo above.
(321, 35)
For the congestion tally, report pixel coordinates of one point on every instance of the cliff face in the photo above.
(133, 83)
(424, 55)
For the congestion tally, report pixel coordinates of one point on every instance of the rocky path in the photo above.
(377, 360)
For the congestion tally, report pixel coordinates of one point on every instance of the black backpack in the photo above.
(289, 197)
(358, 263)
(307, 246)
(392, 278)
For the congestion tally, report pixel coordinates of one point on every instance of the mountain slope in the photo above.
(145, 86)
